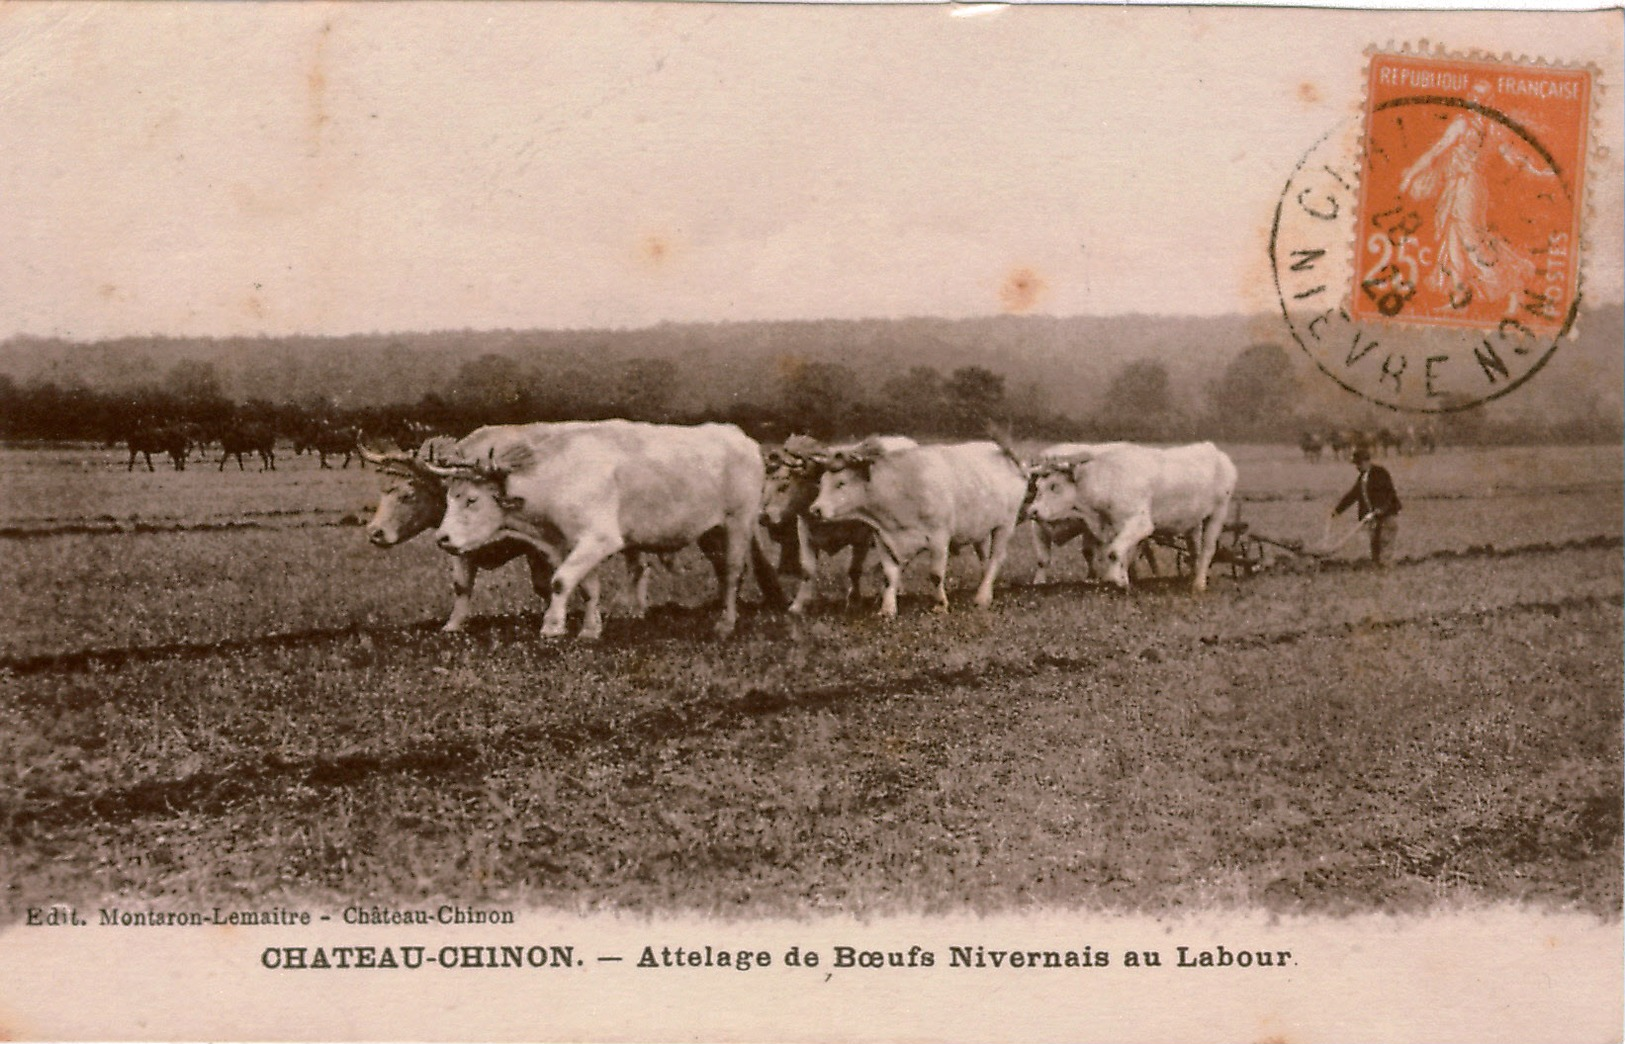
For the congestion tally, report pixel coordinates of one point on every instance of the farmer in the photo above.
(1378, 504)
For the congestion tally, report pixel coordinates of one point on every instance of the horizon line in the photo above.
(23, 338)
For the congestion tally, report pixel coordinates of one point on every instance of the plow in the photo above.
(1247, 551)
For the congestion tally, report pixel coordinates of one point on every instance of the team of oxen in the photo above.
(569, 496)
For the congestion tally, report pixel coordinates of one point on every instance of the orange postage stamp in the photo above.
(1471, 192)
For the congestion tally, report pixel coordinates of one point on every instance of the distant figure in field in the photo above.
(1378, 505)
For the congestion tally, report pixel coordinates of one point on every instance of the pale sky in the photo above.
(230, 169)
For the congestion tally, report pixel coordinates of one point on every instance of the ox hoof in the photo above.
(452, 627)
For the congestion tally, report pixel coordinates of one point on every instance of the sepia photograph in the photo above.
(820, 522)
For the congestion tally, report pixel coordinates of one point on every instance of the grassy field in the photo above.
(212, 688)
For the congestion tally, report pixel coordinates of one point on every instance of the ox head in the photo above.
(1052, 490)
(792, 479)
(843, 488)
(477, 503)
(411, 496)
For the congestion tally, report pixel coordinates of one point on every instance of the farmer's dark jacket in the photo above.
(1373, 491)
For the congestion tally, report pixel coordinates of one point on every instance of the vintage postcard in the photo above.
(689, 521)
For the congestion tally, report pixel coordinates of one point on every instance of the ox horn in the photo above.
(383, 458)
(452, 469)
(475, 470)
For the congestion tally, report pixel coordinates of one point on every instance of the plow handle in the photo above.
(1361, 524)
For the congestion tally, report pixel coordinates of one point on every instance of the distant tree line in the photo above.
(1255, 397)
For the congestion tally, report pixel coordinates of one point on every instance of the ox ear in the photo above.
(803, 446)
(870, 449)
(438, 449)
(858, 463)
(516, 456)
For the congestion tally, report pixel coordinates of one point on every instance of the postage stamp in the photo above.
(1458, 200)
(1470, 192)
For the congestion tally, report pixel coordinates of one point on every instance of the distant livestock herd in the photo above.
(181, 441)
(568, 496)
(1341, 443)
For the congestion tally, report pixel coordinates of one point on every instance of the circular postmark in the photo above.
(1427, 261)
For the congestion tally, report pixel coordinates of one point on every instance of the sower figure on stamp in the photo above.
(1473, 259)
(1377, 502)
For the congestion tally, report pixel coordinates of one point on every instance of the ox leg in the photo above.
(463, 573)
(640, 565)
(581, 561)
(1148, 555)
(789, 554)
(740, 535)
(998, 546)
(714, 546)
(767, 578)
(592, 620)
(1090, 549)
(148, 458)
(893, 569)
(1043, 547)
(131, 466)
(939, 548)
(541, 574)
(1124, 546)
(1209, 535)
(854, 572)
(806, 565)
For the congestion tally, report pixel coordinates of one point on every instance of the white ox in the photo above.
(1127, 494)
(412, 499)
(792, 486)
(927, 498)
(600, 488)
(1047, 536)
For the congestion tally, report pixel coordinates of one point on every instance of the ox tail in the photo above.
(767, 575)
(1005, 439)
